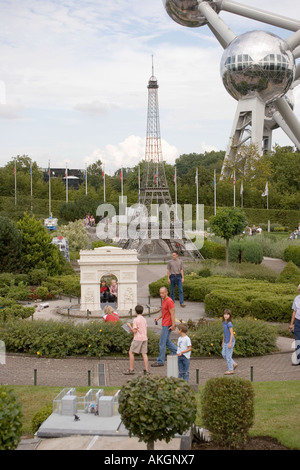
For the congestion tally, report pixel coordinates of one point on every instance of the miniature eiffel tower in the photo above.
(154, 193)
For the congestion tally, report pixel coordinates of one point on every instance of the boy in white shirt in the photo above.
(184, 347)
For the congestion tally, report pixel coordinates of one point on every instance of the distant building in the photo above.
(75, 176)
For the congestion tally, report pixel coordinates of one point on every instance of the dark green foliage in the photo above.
(292, 253)
(37, 250)
(260, 299)
(40, 416)
(290, 274)
(212, 250)
(245, 250)
(60, 339)
(253, 338)
(156, 408)
(10, 246)
(10, 419)
(227, 410)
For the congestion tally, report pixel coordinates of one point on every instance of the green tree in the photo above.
(228, 223)
(37, 250)
(157, 408)
(10, 246)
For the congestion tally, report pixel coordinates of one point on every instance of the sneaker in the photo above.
(229, 372)
(182, 305)
(129, 372)
(156, 364)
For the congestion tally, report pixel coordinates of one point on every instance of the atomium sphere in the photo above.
(257, 64)
(186, 13)
(270, 122)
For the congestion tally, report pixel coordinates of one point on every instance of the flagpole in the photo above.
(242, 193)
(86, 190)
(49, 173)
(233, 188)
(121, 176)
(139, 179)
(215, 193)
(15, 171)
(197, 206)
(175, 181)
(31, 206)
(67, 188)
(104, 189)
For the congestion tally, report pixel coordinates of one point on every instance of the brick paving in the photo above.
(74, 372)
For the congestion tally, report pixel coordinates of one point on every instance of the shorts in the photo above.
(139, 347)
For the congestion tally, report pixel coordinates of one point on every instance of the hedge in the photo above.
(260, 299)
(292, 253)
(253, 338)
(256, 216)
(98, 339)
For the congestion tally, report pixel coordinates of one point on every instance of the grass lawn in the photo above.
(277, 408)
(33, 398)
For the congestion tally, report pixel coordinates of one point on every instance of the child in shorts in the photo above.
(139, 343)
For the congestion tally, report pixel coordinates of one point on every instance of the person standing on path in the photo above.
(176, 277)
(184, 347)
(295, 325)
(168, 325)
(139, 344)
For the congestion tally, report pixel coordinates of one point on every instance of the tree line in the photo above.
(280, 168)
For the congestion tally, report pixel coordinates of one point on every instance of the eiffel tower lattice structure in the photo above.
(165, 234)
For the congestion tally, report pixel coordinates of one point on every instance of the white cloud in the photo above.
(76, 72)
(128, 154)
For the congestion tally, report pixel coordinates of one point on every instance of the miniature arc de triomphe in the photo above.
(108, 261)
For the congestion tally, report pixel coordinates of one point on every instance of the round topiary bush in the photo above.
(292, 253)
(227, 410)
(10, 419)
(156, 408)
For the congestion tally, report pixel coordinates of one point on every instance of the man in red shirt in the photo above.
(168, 325)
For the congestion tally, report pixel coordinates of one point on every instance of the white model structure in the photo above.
(258, 69)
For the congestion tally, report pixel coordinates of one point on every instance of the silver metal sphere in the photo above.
(257, 64)
(186, 13)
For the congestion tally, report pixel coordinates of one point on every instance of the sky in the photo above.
(74, 75)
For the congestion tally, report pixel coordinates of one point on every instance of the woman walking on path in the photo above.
(228, 342)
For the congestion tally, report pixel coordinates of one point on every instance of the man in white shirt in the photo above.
(295, 325)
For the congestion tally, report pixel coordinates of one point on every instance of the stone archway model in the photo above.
(99, 262)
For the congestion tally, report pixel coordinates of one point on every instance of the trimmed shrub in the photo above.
(292, 253)
(227, 410)
(253, 338)
(260, 299)
(60, 339)
(290, 274)
(156, 408)
(10, 309)
(213, 250)
(11, 419)
(40, 416)
(245, 250)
